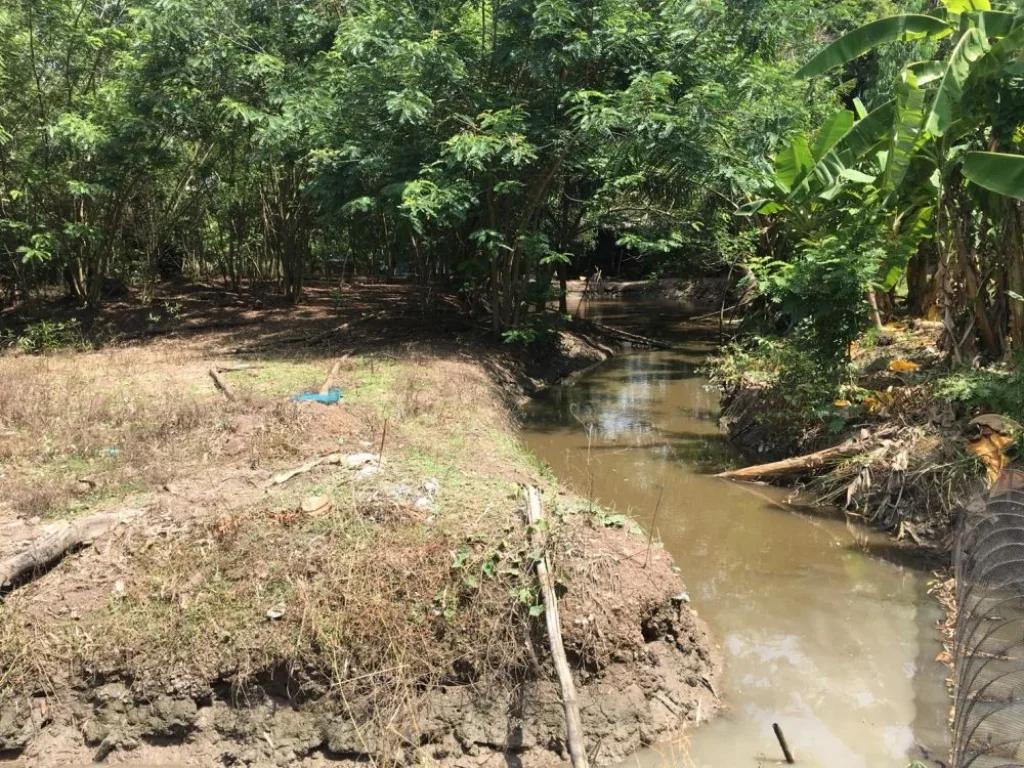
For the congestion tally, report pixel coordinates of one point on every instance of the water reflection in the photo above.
(818, 635)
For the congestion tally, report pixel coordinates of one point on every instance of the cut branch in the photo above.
(326, 387)
(797, 466)
(222, 384)
(49, 549)
(573, 722)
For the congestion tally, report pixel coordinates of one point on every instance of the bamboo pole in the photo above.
(573, 721)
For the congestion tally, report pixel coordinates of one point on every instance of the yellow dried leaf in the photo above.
(841, 403)
(990, 448)
(902, 366)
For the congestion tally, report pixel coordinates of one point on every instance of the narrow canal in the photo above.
(825, 627)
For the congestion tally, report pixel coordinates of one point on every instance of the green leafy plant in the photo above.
(48, 335)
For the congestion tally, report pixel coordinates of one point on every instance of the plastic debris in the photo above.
(357, 460)
(333, 397)
(368, 471)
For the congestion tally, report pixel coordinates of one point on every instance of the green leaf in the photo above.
(960, 6)
(852, 174)
(834, 129)
(905, 133)
(749, 209)
(994, 23)
(971, 47)
(861, 40)
(536, 610)
(793, 161)
(996, 171)
(927, 71)
(999, 57)
(866, 134)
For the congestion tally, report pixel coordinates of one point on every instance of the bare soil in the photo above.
(236, 622)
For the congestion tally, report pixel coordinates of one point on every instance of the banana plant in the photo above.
(943, 115)
(987, 46)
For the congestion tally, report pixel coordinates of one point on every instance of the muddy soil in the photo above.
(80, 683)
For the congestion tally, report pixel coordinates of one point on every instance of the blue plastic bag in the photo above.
(332, 397)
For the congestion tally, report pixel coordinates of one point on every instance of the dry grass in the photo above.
(78, 430)
(382, 599)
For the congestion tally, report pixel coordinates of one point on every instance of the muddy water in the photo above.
(824, 627)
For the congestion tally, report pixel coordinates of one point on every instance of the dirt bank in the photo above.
(379, 606)
(914, 436)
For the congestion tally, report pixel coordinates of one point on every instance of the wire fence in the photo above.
(988, 725)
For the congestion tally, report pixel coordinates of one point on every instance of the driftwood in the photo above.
(800, 465)
(222, 384)
(632, 338)
(48, 549)
(284, 477)
(573, 721)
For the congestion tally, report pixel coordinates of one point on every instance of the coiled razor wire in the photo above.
(988, 725)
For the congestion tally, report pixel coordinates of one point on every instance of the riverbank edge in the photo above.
(648, 692)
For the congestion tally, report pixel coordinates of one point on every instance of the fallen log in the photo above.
(800, 465)
(573, 721)
(632, 338)
(222, 384)
(49, 549)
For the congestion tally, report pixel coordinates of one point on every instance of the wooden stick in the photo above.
(326, 387)
(232, 367)
(222, 384)
(49, 549)
(650, 532)
(284, 477)
(573, 721)
(783, 744)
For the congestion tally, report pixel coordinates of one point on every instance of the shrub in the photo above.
(48, 335)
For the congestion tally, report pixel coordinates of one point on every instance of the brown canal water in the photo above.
(824, 626)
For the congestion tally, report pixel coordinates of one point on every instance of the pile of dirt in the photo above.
(380, 605)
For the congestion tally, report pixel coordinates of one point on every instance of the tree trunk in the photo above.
(921, 296)
(1015, 275)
